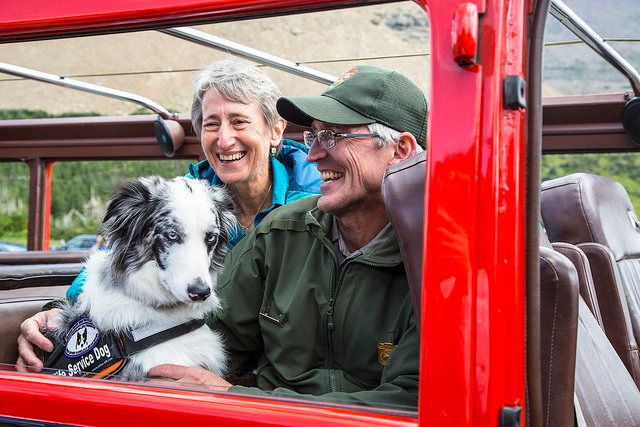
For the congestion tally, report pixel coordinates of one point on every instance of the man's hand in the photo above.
(31, 338)
(189, 376)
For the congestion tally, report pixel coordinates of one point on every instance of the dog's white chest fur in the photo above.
(201, 347)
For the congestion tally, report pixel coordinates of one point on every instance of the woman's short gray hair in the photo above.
(236, 81)
(387, 135)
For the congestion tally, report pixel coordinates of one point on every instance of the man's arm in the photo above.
(240, 290)
(398, 386)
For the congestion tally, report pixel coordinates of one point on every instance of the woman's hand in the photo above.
(189, 376)
(31, 338)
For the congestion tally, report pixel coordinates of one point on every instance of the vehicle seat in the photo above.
(605, 392)
(403, 194)
(559, 292)
(580, 359)
(595, 213)
(580, 261)
(29, 280)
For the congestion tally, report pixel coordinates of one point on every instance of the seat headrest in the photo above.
(584, 207)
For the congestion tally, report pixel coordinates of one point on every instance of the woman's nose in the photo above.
(225, 137)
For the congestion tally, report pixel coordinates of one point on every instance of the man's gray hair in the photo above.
(236, 81)
(387, 135)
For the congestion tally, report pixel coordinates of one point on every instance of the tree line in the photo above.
(80, 190)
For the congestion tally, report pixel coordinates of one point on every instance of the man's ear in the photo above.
(406, 147)
(278, 131)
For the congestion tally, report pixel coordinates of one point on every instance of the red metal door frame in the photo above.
(473, 298)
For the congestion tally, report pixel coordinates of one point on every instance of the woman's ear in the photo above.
(277, 132)
(406, 147)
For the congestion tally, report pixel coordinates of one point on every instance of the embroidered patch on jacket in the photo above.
(384, 350)
(81, 337)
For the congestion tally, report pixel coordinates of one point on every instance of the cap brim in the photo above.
(302, 110)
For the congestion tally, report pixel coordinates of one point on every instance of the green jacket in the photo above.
(317, 324)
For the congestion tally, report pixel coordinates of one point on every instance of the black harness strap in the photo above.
(133, 346)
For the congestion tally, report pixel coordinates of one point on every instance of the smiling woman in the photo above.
(234, 114)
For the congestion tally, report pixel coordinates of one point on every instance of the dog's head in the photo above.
(168, 238)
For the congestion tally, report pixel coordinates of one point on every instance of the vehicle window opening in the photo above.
(402, 46)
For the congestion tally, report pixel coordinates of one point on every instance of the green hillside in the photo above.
(80, 191)
(621, 167)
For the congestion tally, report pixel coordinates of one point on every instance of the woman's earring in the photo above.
(273, 151)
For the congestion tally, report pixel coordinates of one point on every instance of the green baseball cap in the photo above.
(363, 95)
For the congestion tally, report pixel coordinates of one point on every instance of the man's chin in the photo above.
(328, 205)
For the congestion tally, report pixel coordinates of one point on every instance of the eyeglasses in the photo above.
(327, 138)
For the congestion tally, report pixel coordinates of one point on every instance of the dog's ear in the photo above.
(133, 201)
(222, 206)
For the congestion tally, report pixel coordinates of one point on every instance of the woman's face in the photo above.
(236, 139)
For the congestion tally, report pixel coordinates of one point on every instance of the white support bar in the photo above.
(255, 55)
(577, 26)
(15, 70)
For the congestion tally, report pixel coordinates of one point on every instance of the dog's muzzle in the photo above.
(198, 290)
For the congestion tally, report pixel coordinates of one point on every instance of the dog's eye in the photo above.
(210, 239)
(172, 235)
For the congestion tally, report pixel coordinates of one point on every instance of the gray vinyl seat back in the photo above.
(559, 294)
(403, 195)
(595, 214)
(582, 374)
(605, 392)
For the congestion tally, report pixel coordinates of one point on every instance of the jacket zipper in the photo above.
(330, 327)
(334, 290)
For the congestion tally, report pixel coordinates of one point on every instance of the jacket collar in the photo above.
(387, 252)
(204, 171)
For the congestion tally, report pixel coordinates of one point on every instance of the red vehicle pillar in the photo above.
(472, 360)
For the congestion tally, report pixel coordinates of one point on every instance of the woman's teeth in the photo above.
(330, 176)
(231, 157)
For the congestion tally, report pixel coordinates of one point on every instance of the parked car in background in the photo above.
(11, 247)
(80, 242)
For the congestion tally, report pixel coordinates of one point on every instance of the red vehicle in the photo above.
(483, 338)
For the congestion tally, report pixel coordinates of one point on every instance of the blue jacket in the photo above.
(293, 178)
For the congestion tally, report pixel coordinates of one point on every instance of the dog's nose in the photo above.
(198, 290)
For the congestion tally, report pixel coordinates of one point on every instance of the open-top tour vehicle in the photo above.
(513, 329)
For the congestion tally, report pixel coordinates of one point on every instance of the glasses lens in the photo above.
(326, 138)
(309, 137)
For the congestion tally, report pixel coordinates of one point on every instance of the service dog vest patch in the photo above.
(85, 352)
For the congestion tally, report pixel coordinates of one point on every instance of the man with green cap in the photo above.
(319, 288)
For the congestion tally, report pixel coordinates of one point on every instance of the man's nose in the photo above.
(316, 152)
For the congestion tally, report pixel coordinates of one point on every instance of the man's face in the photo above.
(351, 171)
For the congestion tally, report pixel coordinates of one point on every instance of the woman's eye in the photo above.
(240, 123)
(211, 126)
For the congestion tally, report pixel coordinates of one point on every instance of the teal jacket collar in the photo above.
(293, 178)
